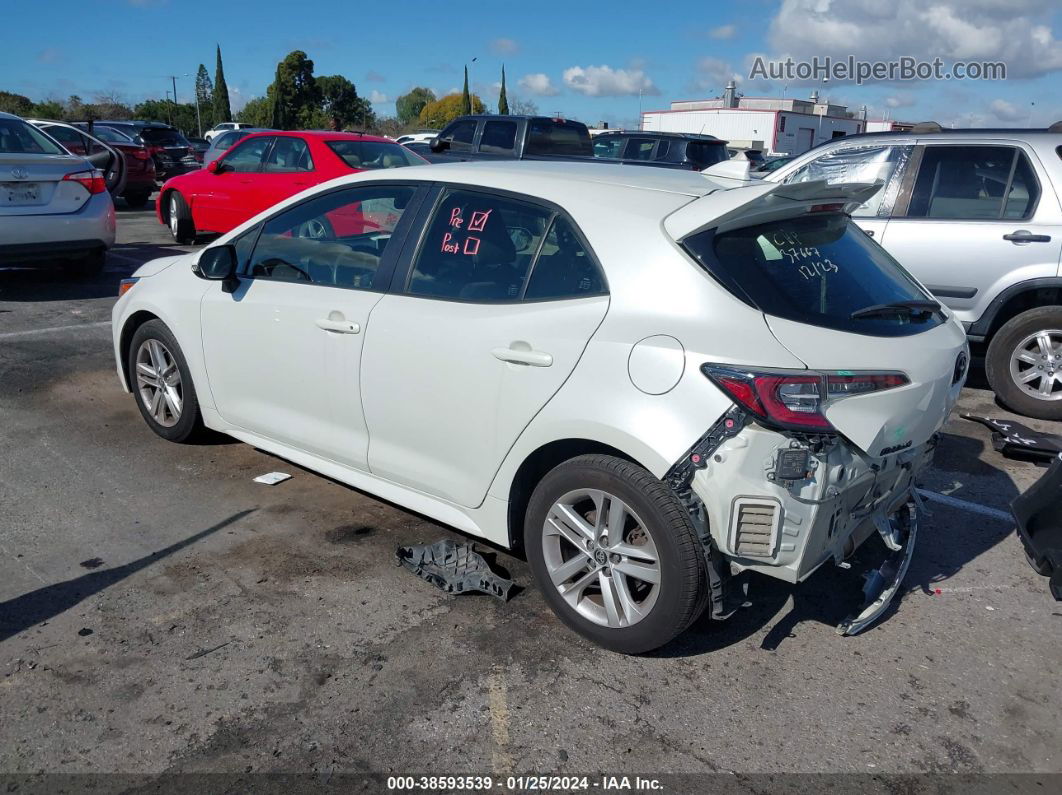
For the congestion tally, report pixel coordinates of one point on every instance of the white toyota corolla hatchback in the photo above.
(650, 381)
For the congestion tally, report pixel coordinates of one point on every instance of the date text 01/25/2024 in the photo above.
(523, 783)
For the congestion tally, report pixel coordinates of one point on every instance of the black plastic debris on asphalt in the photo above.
(1015, 440)
(453, 567)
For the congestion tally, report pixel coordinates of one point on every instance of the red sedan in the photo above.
(263, 169)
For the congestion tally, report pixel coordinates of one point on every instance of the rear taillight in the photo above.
(92, 181)
(796, 399)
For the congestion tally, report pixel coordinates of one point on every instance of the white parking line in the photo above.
(53, 329)
(984, 510)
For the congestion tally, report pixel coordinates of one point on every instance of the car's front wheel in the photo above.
(614, 553)
(1024, 363)
(162, 384)
(179, 218)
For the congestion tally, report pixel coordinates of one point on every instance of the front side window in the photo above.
(460, 135)
(478, 247)
(247, 157)
(861, 164)
(818, 269)
(374, 154)
(19, 138)
(974, 182)
(609, 145)
(337, 239)
(498, 136)
(288, 155)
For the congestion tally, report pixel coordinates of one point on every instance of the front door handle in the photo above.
(522, 356)
(338, 326)
(1025, 236)
(870, 232)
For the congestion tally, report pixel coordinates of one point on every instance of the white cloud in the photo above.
(538, 84)
(1013, 31)
(712, 75)
(902, 99)
(377, 97)
(504, 47)
(723, 32)
(604, 81)
(1007, 111)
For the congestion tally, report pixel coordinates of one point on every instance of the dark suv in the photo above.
(170, 150)
(678, 150)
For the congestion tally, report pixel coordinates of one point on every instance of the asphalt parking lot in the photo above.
(162, 613)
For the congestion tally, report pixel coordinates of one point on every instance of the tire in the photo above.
(186, 422)
(88, 266)
(656, 525)
(137, 201)
(179, 217)
(1004, 370)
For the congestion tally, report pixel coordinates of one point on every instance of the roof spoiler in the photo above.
(761, 202)
(738, 167)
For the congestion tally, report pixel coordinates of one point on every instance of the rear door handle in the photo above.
(1025, 236)
(518, 356)
(338, 326)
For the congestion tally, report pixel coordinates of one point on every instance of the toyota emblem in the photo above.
(19, 173)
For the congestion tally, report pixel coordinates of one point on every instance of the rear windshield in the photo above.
(548, 137)
(817, 269)
(160, 136)
(19, 138)
(706, 154)
(374, 154)
(111, 136)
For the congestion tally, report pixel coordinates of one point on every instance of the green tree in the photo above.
(222, 109)
(15, 103)
(410, 105)
(204, 96)
(340, 106)
(181, 116)
(503, 100)
(49, 109)
(259, 112)
(466, 102)
(443, 111)
(296, 97)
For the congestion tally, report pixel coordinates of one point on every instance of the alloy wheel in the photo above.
(175, 221)
(601, 558)
(158, 382)
(1036, 365)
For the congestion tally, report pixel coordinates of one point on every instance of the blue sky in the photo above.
(585, 60)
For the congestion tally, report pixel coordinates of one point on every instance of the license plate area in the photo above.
(16, 194)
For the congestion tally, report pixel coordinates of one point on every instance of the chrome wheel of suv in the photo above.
(601, 558)
(1036, 364)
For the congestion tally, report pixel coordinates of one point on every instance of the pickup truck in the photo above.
(509, 138)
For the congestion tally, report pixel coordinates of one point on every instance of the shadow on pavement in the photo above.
(23, 612)
(948, 540)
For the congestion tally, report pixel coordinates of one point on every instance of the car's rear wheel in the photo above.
(1024, 363)
(614, 553)
(162, 384)
(179, 218)
(137, 200)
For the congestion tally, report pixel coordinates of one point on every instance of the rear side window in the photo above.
(288, 155)
(817, 269)
(498, 136)
(564, 268)
(640, 149)
(974, 182)
(861, 164)
(549, 137)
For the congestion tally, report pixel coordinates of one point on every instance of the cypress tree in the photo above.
(222, 110)
(466, 100)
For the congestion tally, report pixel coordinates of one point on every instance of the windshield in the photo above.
(374, 154)
(110, 136)
(161, 136)
(19, 138)
(816, 269)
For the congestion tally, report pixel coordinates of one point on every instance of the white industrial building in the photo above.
(775, 126)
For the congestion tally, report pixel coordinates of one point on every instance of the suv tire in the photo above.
(590, 570)
(1004, 369)
(179, 217)
(164, 392)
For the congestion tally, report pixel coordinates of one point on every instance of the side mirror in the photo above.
(439, 144)
(216, 167)
(219, 264)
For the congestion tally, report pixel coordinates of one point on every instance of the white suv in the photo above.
(647, 381)
(225, 126)
(977, 216)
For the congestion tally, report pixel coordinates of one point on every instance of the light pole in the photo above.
(173, 80)
(471, 86)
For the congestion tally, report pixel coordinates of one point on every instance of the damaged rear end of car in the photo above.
(809, 463)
